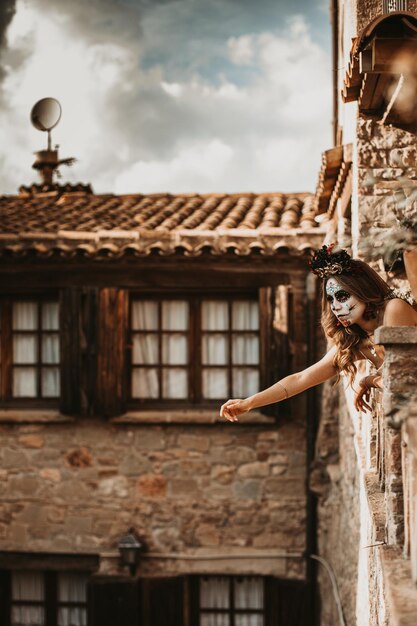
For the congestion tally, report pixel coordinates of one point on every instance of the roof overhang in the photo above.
(107, 245)
(334, 179)
(382, 73)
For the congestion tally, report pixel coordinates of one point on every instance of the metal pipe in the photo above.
(335, 588)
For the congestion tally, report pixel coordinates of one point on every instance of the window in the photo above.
(30, 349)
(194, 349)
(46, 599)
(231, 601)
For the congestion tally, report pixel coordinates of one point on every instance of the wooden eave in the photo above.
(379, 75)
(334, 172)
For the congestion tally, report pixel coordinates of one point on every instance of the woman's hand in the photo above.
(363, 396)
(232, 408)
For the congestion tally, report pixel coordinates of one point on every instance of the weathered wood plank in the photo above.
(111, 382)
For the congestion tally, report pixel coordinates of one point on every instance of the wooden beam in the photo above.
(375, 90)
(47, 561)
(386, 52)
(367, 91)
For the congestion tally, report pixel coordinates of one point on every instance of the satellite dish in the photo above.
(46, 114)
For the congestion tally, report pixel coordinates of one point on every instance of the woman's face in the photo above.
(347, 308)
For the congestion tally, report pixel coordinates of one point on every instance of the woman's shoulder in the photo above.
(399, 313)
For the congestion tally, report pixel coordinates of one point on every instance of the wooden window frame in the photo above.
(195, 333)
(232, 611)
(6, 352)
(50, 603)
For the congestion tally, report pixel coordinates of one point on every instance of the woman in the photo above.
(355, 302)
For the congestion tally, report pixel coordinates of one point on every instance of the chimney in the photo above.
(47, 162)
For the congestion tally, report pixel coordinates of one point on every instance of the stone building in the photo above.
(125, 322)
(365, 467)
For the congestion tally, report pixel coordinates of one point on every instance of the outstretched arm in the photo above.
(285, 388)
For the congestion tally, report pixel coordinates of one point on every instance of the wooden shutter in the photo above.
(111, 351)
(114, 603)
(163, 601)
(275, 355)
(5, 597)
(78, 347)
(286, 603)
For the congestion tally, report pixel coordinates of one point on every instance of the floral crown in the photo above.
(326, 263)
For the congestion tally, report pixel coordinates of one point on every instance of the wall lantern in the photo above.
(130, 548)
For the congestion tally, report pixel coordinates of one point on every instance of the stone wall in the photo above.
(368, 10)
(386, 175)
(229, 489)
(338, 514)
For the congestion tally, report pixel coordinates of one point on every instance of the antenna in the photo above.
(44, 116)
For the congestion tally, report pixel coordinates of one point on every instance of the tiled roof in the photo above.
(68, 221)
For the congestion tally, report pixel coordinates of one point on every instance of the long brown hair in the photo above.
(364, 283)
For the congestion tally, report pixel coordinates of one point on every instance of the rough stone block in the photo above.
(253, 470)
(147, 439)
(249, 489)
(181, 487)
(50, 473)
(32, 441)
(207, 535)
(79, 458)
(23, 486)
(56, 514)
(76, 525)
(284, 487)
(14, 459)
(222, 474)
(152, 486)
(239, 455)
(194, 442)
(116, 486)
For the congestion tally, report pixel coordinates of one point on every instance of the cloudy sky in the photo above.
(169, 95)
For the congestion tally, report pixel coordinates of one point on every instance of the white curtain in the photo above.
(217, 321)
(245, 315)
(145, 349)
(145, 315)
(25, 348)
(72, 588)
(27, 586)
(249, 620)
(249, 592)
(214, 620)
(50, 316)
(50, 350)
(244, 349)
(215, 594)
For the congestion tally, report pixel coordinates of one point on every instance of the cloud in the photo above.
(241, 49)
(257, 121)
(7, 11)
(195, 168)
(275, 126)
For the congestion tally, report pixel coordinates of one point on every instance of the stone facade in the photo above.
(228, 490)
(366, 486)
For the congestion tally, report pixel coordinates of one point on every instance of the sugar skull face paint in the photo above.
(347, 308)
